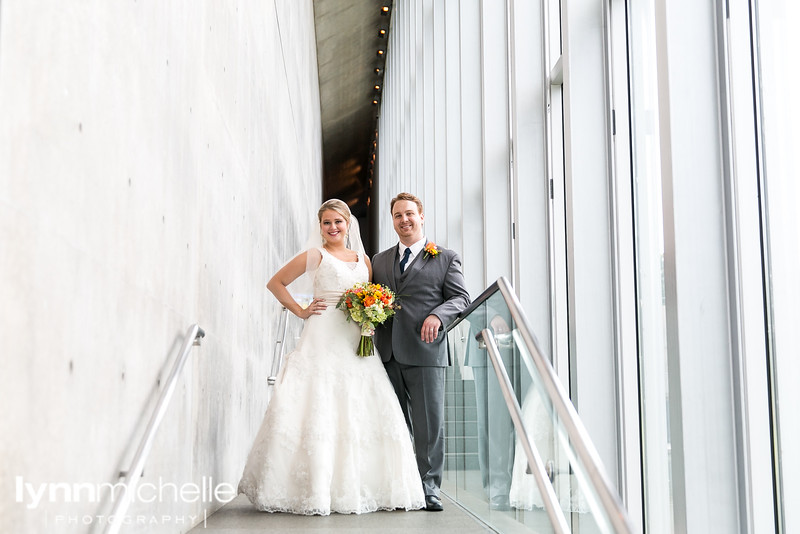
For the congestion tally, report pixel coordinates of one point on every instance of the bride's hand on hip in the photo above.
(316, 307)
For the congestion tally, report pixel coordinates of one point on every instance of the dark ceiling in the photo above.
(350, 67)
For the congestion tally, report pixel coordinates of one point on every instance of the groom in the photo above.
(431, 292)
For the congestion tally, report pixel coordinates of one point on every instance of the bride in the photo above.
(333, 438)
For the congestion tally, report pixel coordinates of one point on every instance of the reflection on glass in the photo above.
(495, 428)
(650, 268)
(778, 42)
(496, 484)
(573, 488)
(482, 476)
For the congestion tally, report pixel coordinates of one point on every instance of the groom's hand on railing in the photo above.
(430, 329)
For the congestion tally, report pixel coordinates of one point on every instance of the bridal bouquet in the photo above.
(367, 305)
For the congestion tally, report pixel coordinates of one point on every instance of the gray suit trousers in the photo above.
(424, 414)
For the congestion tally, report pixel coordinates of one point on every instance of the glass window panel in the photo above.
(778, 43)
(650, 268)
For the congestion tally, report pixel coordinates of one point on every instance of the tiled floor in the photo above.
(239, 516)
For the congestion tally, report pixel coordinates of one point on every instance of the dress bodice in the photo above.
(334, 276)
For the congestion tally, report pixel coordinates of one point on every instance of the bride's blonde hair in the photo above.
(336, 205)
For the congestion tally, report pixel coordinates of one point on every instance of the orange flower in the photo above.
(431, 250)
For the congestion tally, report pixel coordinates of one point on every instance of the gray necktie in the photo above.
(406, 255)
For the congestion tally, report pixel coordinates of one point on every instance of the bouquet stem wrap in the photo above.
(366, 347)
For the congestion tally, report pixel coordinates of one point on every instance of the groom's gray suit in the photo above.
(432, 285)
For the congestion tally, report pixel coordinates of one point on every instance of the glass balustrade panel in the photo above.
(487, 468)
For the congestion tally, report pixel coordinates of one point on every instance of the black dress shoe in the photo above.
(433, 503)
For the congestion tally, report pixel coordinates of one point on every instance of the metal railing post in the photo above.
(559, 522)
(134, 473)
(277, 355)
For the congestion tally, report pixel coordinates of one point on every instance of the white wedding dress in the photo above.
(333, 438)
(524, 494)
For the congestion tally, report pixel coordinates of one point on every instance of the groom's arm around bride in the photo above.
(431, 292)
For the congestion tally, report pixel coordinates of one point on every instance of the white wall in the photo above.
(144, 149)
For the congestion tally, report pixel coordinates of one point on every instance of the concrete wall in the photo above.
(158, 162)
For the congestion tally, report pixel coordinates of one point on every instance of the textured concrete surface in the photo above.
(158, 162)
(240, 516)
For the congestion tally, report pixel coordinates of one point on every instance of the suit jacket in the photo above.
(429, 286)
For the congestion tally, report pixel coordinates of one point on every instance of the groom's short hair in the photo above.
(410, 198)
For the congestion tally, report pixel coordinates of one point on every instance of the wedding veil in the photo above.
(302, 288)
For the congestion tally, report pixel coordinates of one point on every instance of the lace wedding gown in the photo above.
(333, 438)
(524, 494)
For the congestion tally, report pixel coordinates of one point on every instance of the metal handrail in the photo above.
(134, 473)
(577, 433)
(474, 305)
(563, 407)
(280, 343)
(534, 459)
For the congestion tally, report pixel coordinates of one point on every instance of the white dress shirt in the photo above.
(416, 248)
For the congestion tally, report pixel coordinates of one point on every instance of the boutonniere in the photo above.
(431, 250)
